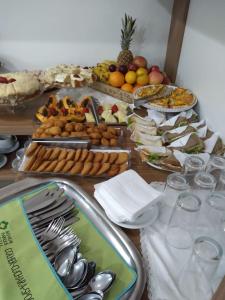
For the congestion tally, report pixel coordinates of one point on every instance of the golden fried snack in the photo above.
(40, 130)
(76, 169)
(98, 156)
(37, 150)
(114, 169)
(86, 168)
(59, 123)
(41, 152)
(36, 164)
(35, 135)
(68, 166)
(48, 124)
(112, 130)
(43, 166)
(104, 168)
(107, 135)
(44, 135)
(65, 134)
(55, 153)
(95, 142)
(79, 134)
(70, 154)
(55, 130)
(90, 125)
(47, 154)
(113, 142)
(123, 167)
(60, 165)
(105, 157)
(113, 157)
(29, 163)
(51, 166)
(68, 127)
(105, 142)
(63, 154)
(102, 126)
(95, 135)
(122, 158)
(77, 155)
(31, 149)
(95, 167)
(89, 130)
(90, 157)
(78, 127)
(84, 155)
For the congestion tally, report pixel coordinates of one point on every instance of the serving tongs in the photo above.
(92, 104)
(164, 92)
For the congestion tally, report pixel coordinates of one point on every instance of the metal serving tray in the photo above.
(111, 232)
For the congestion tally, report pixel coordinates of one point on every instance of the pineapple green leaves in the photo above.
(127, 31)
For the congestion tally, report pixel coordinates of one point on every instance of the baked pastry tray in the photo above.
(95, 214)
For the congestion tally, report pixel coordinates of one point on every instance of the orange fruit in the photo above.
(127, 87)
(141, 71)
(130, 77)
(143, 79)
(116, 79)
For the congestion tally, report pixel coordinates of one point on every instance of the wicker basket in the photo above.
(112, 91)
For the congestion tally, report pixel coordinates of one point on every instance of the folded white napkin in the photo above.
(126, 196)
(201, 132)
(211, 142)
(155, 115)
(188, 114)
(181, 141)
(180, 156)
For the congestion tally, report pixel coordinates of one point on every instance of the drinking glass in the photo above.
(175, 184)
(204, 184)
(215, 166)
(196, 277)
(183, 220)
(192, 165)
(221, 183)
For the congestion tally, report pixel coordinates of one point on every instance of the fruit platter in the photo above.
(165, 98)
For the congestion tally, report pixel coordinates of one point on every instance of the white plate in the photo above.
(159, 167)
(11, 149)
(148, 218)
(3, 160)
(171, 110)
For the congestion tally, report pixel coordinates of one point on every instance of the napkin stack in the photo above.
(126, 196)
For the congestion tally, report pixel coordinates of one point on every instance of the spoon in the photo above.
(77, 273)
(98, 295)
(64, 260)
(102, 281)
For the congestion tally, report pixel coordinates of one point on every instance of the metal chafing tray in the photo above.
(111, 232)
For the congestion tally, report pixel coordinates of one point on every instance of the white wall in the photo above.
(202, 61)
(39, 34)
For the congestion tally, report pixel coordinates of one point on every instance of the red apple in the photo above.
(155, 77)
(132, 67)
(140, 61)
(154, 68)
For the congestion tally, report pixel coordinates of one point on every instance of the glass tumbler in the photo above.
(215, 166)
(221, 182)
(192, 165)
(195, 281)
(176, 183)
(182, 223)
(204, 184)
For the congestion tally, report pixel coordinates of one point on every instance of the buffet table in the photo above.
(22, 125)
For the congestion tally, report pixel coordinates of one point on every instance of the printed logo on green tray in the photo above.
(3, 225)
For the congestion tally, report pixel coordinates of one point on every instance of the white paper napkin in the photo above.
(180, 156)
(211, 142)
(155, 115)
(126, 196)
(201, 132)
(188, 114)
(198, 124)
(181, 141)
(177, 130)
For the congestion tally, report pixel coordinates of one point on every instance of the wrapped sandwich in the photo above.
(146, 139)
(190, 143)
(153, 154)
(174, 134)
(135, 119)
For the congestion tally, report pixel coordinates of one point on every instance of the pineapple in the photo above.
(125, 56)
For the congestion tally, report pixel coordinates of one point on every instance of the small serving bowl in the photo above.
(6, 141)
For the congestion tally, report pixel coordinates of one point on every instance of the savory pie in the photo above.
(18, 85)
(150, 90)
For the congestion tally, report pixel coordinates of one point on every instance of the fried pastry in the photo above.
(98, 156)
(105, 157)
(59, 123)
(104, 168)
(90, 157)
(102, 126)
(78, 127)
(55, 130)
(47, 154)
(31, 149)
(112, 157)
(36, 164)
(59, 166)
(78, 154)
(65, 134)
(107, 135)
(29, 163)
(68, 166)
(105, 142)
(76, 169)
(43, 166)
(122, 158)
(55, 153)
(37, 150)
(63, 154)
(70, 154)
(95, 135)
(112, 130)
(86, 168)
(95, 142)
(41, 152)
(123, 168)
(95, 167)
(68, 127)
(113, 142)
(114, 169)
(84, 155)
(51, 166)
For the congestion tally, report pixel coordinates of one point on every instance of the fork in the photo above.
(53, 230)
